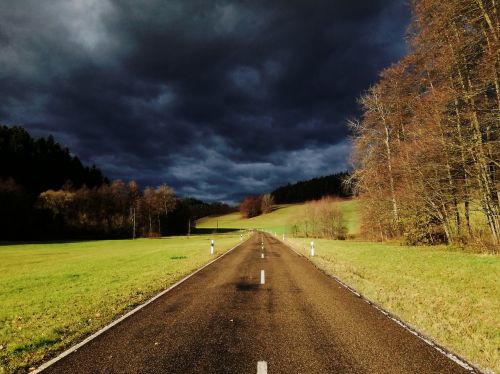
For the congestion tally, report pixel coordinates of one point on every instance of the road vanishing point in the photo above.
(248, 313)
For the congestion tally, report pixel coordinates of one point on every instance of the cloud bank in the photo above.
(217, 98)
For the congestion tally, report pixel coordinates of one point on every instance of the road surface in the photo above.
(223, 320)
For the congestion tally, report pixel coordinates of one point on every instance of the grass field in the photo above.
(280, 219)
(54, 294)
(451, 296)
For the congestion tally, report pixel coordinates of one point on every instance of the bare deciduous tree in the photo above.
(267, 203)
(426, 148)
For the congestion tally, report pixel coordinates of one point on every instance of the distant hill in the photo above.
(313, 189)
(280, 220)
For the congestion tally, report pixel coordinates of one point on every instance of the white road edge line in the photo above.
(133, 311)
(453, 357)
(262, 277)
(262, 367)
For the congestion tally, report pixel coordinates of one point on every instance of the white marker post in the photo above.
(212, 245)
(241, 237)
(283, 237)
(312, 249)
(262, 277)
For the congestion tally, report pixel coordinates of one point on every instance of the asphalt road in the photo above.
(223, 320)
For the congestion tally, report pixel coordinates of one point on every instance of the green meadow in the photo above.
(53, 295)
(279, 220)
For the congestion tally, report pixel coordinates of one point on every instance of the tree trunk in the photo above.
(133, 222)
(466, 197)
(488, 20)
(489, 195)
(395, 211)
(391, 179)
(451, 194)
(150, 222)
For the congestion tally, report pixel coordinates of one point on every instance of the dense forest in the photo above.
(29, 167)
(313, 189)
(47, 194)
(427, 146)
(42, 164)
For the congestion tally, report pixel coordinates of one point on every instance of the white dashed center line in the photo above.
(262, 277)
(262, 367)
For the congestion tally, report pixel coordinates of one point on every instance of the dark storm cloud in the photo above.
(217, 98)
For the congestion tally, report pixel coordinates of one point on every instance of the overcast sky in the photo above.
(218, 99)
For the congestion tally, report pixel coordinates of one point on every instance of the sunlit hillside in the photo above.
(280, 220)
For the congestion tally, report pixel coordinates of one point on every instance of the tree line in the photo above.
(426, 148)
(28, 167)
(42, 164)
(62, 199)
(313, 189)
(117, 209)
(253, 206)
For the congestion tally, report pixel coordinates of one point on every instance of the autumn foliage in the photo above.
(251, 206)
(321, 218)
(427, 146)
(116, 210)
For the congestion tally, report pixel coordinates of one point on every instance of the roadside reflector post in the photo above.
(212, 245)
(283, 237)
(312, 249)
(241, 237)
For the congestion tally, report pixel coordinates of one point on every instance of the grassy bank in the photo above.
(54, 294)
(453, 297)
(280, 220)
